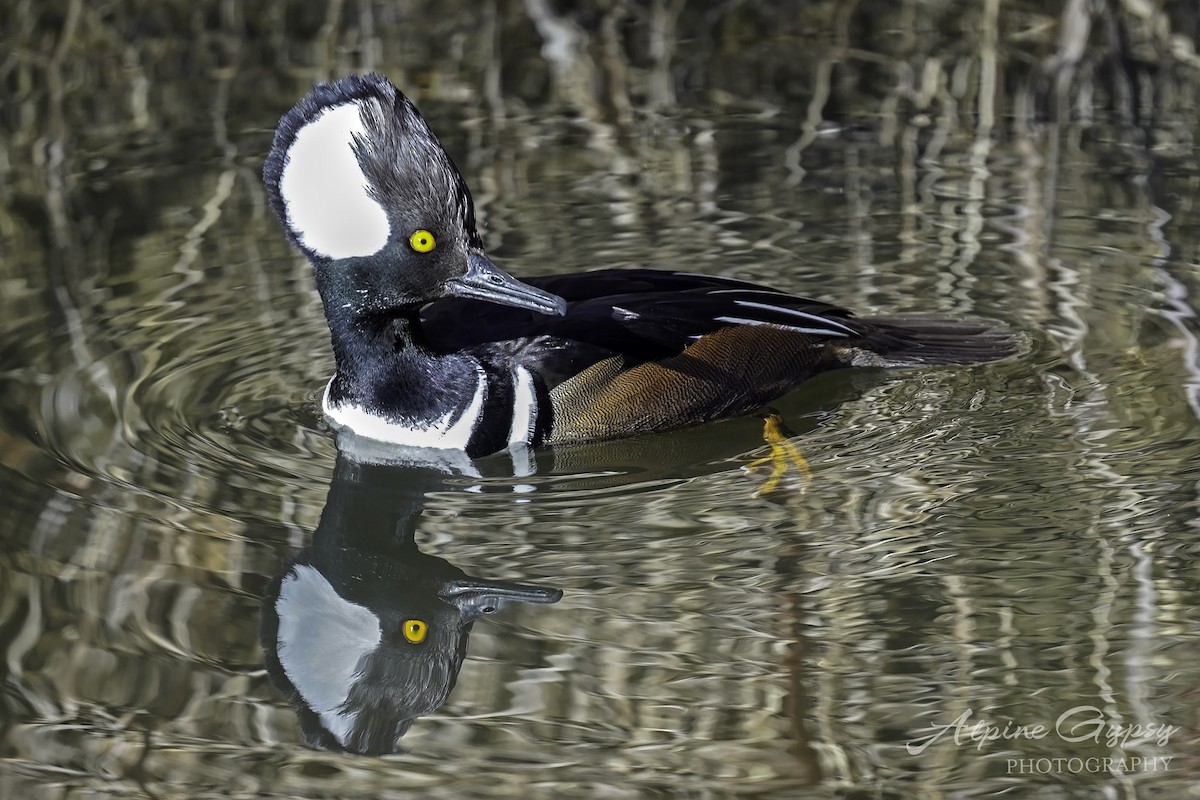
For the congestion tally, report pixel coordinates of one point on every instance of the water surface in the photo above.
(1004, 543)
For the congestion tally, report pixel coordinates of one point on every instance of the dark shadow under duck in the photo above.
(436, 347)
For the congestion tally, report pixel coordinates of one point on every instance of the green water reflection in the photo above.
(1014, 540)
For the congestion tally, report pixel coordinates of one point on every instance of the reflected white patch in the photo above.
(452, 430)
(521, 455)
(325, 191)
(373, 451)
(322, 638)
(525, 408)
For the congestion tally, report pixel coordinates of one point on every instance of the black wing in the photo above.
(643, 313)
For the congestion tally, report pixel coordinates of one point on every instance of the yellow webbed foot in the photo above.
(782, 455)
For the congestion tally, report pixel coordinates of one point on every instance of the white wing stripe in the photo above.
(747, 321)
(794, 312)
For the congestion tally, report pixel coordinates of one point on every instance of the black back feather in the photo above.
(641, 313)
(648, 315)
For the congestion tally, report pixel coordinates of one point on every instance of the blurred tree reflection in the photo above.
(131, 66)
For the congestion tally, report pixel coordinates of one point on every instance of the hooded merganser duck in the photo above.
(362, 631)
(437, 347)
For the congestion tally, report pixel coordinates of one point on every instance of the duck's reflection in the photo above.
(362, 631)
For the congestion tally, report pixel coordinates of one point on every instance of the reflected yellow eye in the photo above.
(414, 630)
(422, 241)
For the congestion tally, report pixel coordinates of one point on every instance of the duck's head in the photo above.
(364, 644)
(361, 630)
(366, 192)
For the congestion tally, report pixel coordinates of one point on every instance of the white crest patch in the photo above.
(322, 638)
(451, 430)
(325, 191)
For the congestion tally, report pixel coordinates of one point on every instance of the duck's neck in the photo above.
(384, 367)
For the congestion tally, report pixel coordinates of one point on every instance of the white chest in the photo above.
(451, 430)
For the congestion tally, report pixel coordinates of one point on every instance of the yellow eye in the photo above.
(422, 241)
(415, 629)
